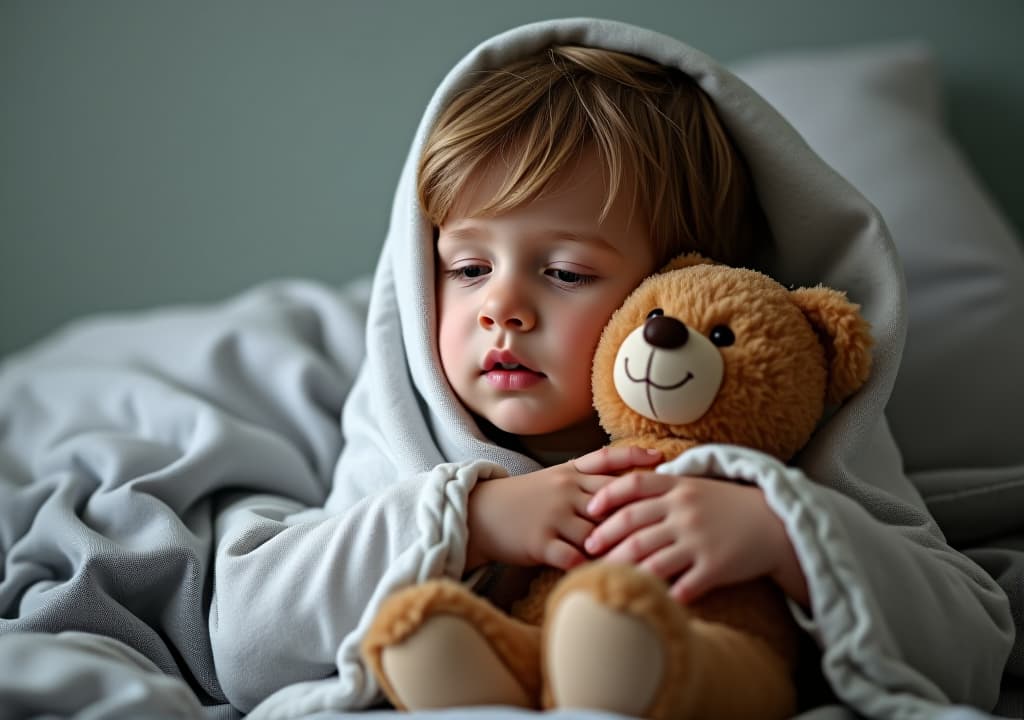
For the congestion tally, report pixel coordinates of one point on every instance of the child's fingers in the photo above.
(640, 545)
(692, 584)
(669, 561)
(621, 525)
(590, 484)
(611, 460)
(575, 530)
(560, 554)
(626, 489)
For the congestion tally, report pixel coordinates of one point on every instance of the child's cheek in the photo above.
(580, 336)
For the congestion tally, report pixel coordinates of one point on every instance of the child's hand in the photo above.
(541, 518)
(699, 533)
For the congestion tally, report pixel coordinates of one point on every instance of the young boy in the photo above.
(600, 168)
(541, 187)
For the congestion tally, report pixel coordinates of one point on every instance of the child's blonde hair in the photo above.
(652, 126)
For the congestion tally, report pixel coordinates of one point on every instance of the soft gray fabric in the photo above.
(91, 677)
(171, 480)
(119, 440)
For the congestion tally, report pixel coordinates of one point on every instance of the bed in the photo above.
(141, 422)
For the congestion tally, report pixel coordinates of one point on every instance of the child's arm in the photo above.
(541, 518)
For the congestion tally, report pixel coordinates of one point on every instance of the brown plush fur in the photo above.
(732, 652)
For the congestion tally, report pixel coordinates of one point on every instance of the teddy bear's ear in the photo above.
(686, 260)
(845, 334)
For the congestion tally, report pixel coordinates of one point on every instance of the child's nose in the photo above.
(507, 308)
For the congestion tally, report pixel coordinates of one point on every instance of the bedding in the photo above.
(119, 438)
(124, 439)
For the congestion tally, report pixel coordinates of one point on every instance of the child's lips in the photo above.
(505, 371)
(505, 361)
(515, 379)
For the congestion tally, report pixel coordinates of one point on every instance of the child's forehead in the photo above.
(577, 194)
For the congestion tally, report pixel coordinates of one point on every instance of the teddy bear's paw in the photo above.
(448, 663)
(602, 659)
(615, 641)
(439, 645)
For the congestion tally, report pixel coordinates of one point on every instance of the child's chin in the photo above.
(540, 423)
(523, 424)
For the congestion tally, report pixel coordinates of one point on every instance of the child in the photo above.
(556, 167)
(611, 165)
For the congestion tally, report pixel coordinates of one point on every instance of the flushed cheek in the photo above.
(454, 334)
(578, 340)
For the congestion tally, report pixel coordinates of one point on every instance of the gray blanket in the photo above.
(119, 440)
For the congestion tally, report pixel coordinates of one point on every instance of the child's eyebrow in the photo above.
(468, 232)
(474, 233)
(584, 238)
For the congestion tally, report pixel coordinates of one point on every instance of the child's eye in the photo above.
(569, 277)
(467, 272)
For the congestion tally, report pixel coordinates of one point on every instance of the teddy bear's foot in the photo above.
(615, 641)
(447, 663)
(438, 645)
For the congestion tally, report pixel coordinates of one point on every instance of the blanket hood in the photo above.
(825, 232)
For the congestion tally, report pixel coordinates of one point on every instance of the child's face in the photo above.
(523, 297)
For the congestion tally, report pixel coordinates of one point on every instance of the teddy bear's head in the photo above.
(711, 353)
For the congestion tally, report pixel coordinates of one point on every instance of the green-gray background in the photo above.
(167, 152)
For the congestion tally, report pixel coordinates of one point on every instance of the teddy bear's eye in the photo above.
(722, 336)
(656, 312)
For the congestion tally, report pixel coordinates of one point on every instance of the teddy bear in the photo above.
(700, 352)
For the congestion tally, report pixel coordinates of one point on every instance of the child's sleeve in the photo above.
(904, 621)
(294, 589)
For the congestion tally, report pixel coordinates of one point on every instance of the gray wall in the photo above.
(167, 152)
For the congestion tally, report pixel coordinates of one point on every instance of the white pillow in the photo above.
(875, 115)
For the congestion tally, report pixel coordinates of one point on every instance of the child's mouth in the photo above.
(512, 376)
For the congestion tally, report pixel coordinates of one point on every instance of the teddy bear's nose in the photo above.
(665, 332)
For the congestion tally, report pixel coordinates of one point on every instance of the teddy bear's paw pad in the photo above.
(602, 659)
(447, 663)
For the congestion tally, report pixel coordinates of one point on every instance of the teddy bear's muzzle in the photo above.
(666, 372)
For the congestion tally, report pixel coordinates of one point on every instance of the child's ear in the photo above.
(845, 334)
(686, 260)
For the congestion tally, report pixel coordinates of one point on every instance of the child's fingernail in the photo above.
(590, 544)
(652, 452)
(592, 506)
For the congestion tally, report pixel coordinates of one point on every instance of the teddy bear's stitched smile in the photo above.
(646, 379)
